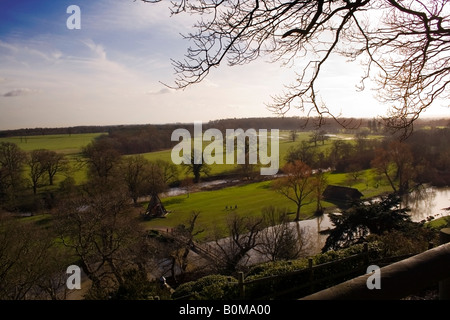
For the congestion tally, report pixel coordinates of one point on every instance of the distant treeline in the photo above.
(25, 132)
(291, 123)
(281, 123)
(133, 139)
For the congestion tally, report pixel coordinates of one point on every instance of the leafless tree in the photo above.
(32, 265)
(134, 170)
(169, 171)
(297, 185)
(102, 159)
(243, 236)
(404, 47)
(53, 163)
(161, 174)
(185, 234)
(396, 164)
(12, 159)
(106, 238)
(279, 240)
(37, 169)
(197, 169)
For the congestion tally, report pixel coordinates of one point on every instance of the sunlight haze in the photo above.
(114, 70)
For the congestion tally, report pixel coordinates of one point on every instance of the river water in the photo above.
(426, 203)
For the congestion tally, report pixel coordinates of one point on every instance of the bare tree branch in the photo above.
(404, 44)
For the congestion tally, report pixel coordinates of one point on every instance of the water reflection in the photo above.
(426, 202)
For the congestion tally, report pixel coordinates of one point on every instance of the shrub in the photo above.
(213, 287)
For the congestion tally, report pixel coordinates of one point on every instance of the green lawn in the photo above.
(218, 169)
(438, 223)
(284, 144)
(70, 145)
(63, 143)
(250, 199)
(245, 199)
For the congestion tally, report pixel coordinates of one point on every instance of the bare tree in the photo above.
(32, 265)
(296, 185)
(185, 234)
(162, 174)
(243, 237)
(37, 169)
(303, 152)
(105, 237)
(403, 45)
(197, 168)
(134, 171)
(396, 164)
(53, 163)
(102, 158)
(12, 159)
(169, 171)
(279, 240)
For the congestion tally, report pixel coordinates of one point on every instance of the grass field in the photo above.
(284, 144)
(71, 146)
(250, 199)
(62, 143)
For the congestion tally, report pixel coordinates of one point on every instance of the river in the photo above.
(426, 203)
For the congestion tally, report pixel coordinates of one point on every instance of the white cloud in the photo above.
(209, 83)
(161, 91)
(8, 46)
(97, 49)
(135, 16)
(20, 92)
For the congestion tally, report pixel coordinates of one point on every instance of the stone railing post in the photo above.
(444, 285)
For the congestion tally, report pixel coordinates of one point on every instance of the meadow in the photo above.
(68, 144)
(249, 200)
(214, 206)
(285, 143)
(71, 145)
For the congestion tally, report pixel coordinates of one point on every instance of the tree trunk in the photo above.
(297, 216)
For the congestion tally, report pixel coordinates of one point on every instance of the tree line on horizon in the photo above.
(281, 123)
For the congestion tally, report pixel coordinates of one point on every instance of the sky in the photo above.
(112, 70)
